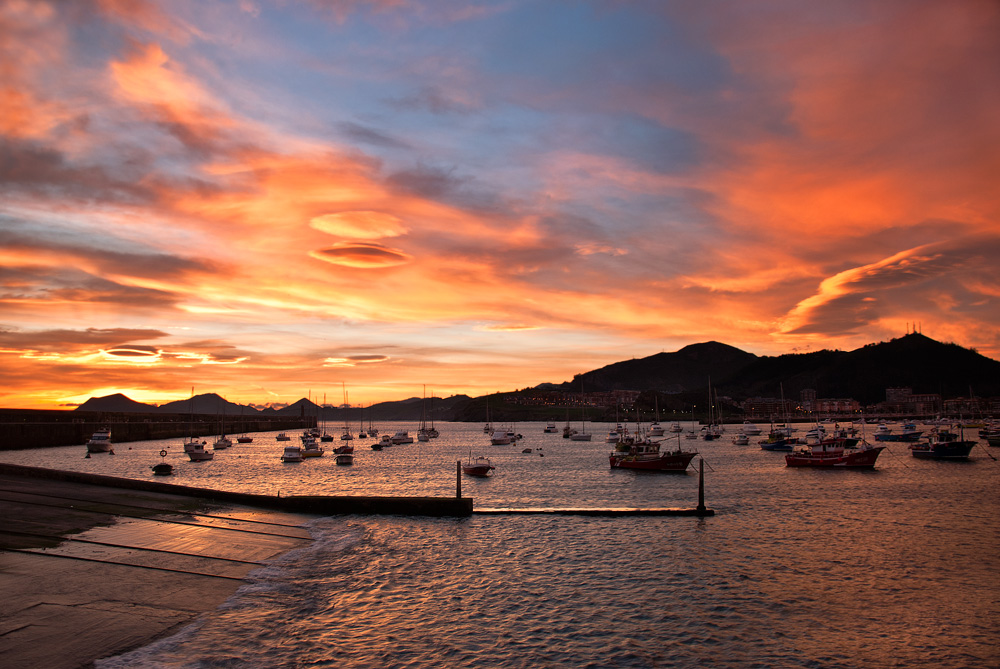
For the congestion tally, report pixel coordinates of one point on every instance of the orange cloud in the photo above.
(360, 224)
(357, 254)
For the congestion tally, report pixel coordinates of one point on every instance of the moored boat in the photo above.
(292, 453)
(401, 437)
(834, 453)
(197, 452)
(244, 440)
(282, 437)
(481, 466)
(100, 441)
(943, 445)
(908, 433)
(163, 469)
(345, 458)
(312, 449)
(646, 455)
(550, 428)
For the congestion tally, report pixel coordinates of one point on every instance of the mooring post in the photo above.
(458, 479)
(701, 485)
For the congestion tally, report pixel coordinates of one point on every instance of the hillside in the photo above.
(687, 369)
(676, 381)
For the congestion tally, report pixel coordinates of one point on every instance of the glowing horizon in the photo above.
(267, 199)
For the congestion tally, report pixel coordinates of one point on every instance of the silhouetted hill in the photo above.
(116, 403)
(914, 361)
(685, 370)
(207, 403)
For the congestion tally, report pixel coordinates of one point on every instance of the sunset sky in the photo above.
(269, 199)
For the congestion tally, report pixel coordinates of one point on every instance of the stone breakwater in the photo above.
(25, 428)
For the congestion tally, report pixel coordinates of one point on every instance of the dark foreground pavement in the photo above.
(88, 571)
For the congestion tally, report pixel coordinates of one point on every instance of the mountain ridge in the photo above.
(914, 361)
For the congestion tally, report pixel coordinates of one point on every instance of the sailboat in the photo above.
(422, 433)
(432, 431)
(711, 431)
(347, 436)
(243, 438)
(223, 441)
(195, 449)
(326, 436)
(655, 429)
(582, 435)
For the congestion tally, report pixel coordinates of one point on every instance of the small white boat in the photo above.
(292, 453)
(402, 437)
(311, 448)
(741, 439)
(751, 429)
(283, 437)
(198, 452)
(500, 438)
(222, 442)
(676, 427)
(193, 444)
(550, 428)
(100, 441)
(655, 429)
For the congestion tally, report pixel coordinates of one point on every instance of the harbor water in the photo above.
(896, 567)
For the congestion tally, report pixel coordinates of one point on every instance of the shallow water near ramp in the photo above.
(892, 567)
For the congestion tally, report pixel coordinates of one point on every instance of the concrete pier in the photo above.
(313, 504)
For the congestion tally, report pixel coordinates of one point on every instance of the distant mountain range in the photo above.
(914, 361)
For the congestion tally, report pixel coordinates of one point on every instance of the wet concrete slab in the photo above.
(88, 572)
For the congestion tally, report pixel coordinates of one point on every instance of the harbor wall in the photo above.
(322, 505)
(30, 428)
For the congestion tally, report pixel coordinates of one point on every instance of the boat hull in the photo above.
(780, 445)
(481, 471)
(99, 442)
(954, 450)
(861, 459)
(904, 437)
(661, 462)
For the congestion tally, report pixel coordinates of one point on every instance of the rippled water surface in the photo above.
(896, 567)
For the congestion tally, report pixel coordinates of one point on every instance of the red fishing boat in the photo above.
(835, 453)
(646, 455)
